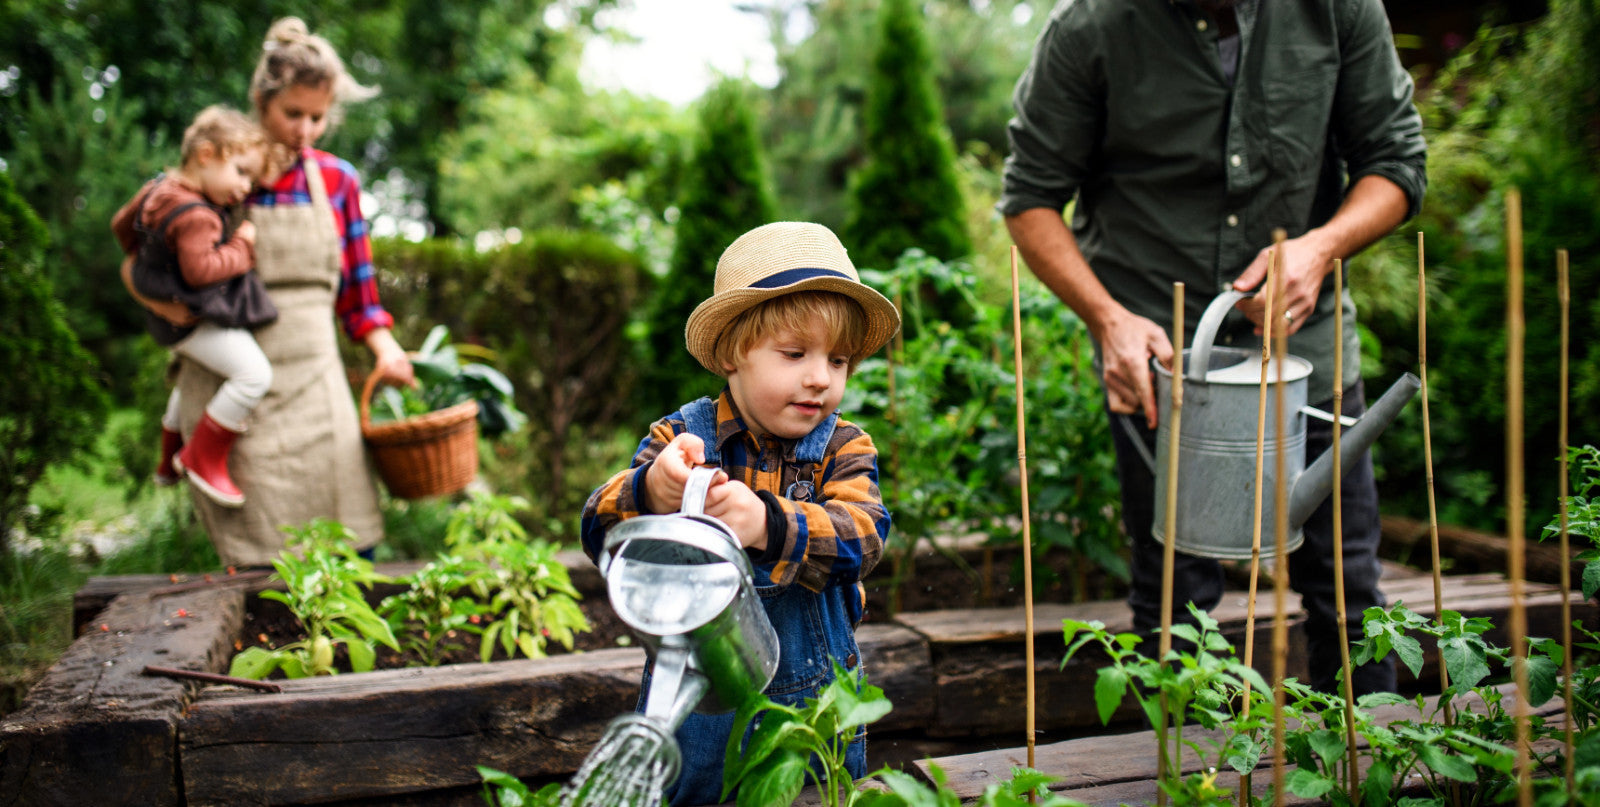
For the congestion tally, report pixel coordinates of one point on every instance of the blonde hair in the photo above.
(293, 56)
(224, 129)
(843, 318)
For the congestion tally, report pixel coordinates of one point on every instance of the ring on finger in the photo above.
(1288, 316)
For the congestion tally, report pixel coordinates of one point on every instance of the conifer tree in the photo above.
(907, 194)
(726, 192)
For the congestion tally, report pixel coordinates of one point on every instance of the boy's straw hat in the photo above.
(782, 258)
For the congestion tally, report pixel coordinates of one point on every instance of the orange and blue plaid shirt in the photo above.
(835, 539)
(356, 303)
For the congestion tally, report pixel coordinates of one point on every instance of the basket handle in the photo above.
(366, 394)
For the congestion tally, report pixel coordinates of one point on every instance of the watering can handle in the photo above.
(1206, 332)
(1137, 440)
(695, 490)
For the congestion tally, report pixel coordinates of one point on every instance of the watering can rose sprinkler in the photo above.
(1216, 450)
(685, 586)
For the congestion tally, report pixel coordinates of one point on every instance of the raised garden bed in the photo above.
(411, 736)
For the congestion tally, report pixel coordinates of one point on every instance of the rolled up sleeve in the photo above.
(1376, 124)
(1058, 122)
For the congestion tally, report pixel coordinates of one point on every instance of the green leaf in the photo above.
(1591, 580)
(1542, 683)
(776, 782)
(1244, 754)
(1109, 687)
(254, 663)
(1464, 659)
(436, 337)
(1409, 651)
(1329, 745)
(1377, 783)
(1449, 766)
(1308, 784)
(362, 656)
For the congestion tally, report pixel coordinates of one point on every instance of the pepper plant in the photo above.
(444, 598)
(792, 743)
(323, 578)
(531, 600)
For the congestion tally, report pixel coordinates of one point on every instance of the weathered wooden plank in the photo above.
(1469, 550)
(897, 661)
(363, 735)
(94, 715)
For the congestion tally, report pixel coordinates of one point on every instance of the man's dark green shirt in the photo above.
(1180, 175)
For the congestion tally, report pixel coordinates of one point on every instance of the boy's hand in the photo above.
(741, 509)
(246, 232)
(663, 483)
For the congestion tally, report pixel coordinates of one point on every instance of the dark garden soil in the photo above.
(970, 579)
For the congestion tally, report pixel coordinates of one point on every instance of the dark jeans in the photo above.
(1199, 580)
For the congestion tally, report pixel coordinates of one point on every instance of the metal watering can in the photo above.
(686, 587)
(1217, 448)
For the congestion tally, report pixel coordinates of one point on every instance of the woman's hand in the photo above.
(390, 360)
(176, 313)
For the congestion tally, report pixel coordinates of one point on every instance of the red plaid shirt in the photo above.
(357, 303)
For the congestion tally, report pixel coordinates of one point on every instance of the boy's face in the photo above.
(788, 382)
(227, 179)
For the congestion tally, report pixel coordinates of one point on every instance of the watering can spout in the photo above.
(1317, 482)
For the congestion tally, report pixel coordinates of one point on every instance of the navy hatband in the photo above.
(789, 277)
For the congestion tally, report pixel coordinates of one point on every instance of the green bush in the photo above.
(725, 194)
(907, 195)
(51, 405)
(1514, 110)
(555, 308)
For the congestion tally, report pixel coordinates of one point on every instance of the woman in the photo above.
(303, 457)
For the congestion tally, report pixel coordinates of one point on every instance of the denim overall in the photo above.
(813, 628)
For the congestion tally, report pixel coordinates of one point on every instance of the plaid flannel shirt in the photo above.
(356, 304)
(834, 540)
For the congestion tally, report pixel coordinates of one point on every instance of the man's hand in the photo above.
(1303, 265)
(741, 509)
(663, 483)
(1127, 341)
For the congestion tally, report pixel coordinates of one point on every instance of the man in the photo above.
(1188, 130)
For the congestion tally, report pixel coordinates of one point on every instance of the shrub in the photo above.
(907, 195)
(51, 405)
(725, 194)
(555, 309)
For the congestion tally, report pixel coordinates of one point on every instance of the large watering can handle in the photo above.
(1206, 332)
(695, 490)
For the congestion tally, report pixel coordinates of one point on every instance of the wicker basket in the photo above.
(429, 455)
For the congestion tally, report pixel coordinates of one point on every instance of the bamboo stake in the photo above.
(1268, 287)
(1175, 423)
(1427, 461)
(1352, 773)
(1022, 466)
(1280, 569)
(1515, 526)
(1433, 510)
(1564, 292)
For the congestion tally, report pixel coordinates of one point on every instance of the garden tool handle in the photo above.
(1205, 333)
(1137, 439)
(695, 490)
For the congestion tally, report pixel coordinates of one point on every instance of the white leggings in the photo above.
(233, 354)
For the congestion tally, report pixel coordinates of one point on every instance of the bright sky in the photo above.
(684, 45)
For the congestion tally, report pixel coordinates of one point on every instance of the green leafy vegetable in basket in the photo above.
(446, 377)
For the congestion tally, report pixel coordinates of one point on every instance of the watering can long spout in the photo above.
(1317, 482)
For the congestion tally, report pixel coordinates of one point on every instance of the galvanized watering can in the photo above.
(1217, 447)
(686, 588)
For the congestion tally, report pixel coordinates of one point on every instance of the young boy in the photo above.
(174, 232)
(787, 323)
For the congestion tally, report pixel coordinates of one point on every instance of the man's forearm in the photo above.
(1371, 210)
(1052, 254)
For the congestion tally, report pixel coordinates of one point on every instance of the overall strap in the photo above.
(700, 420)
(173, 216)
(809, 453)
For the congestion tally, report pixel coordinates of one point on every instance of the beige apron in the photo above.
(301, 455)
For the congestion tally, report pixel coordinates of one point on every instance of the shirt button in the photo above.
(1200, 25)
(1236, 160)
(1233, 221)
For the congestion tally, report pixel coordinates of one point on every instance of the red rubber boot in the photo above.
(166, 475)
(205, 461)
